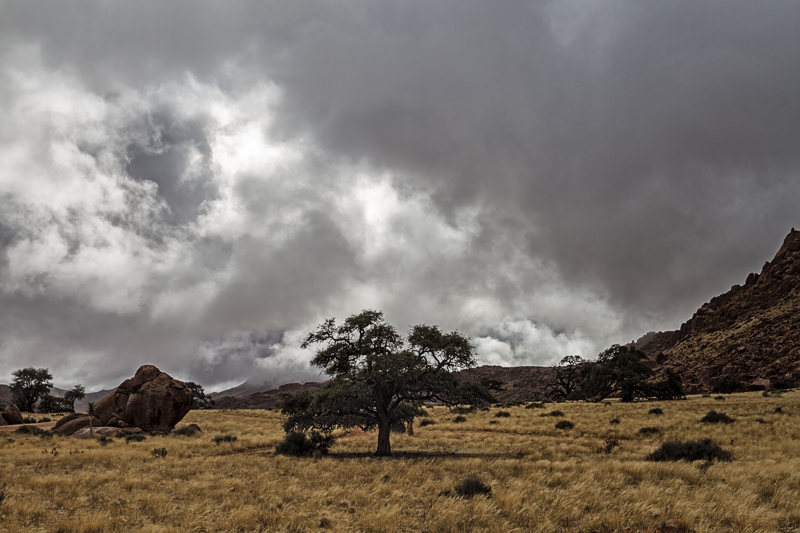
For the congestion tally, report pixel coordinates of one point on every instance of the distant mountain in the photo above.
(5, 394)
(244, 389)
(263, 399)
(81, 405)
(750, 334)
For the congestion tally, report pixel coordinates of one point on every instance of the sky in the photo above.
(198, 184)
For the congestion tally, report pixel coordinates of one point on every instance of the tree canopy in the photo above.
(29, 385)
(380, 380)
(618, 369)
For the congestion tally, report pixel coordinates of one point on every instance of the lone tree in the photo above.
(201, 399)
(380, 380)
(29, 385)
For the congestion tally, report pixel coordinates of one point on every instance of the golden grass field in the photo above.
(542, 479)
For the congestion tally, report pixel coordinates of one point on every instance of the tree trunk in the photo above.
(410, 428)
(384, 447)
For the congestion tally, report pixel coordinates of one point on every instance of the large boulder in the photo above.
(12, 415)
(3, 421)
(86, 433)
(74, 424)
(151, 400)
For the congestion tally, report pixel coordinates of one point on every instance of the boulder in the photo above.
(760, 384)
(3, 421)
(69, 418)
(151, 400)
(107, 431)
(74, 425)
(12, 415)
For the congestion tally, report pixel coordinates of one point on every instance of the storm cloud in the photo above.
(198, 184)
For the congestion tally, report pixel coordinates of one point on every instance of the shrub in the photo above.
(694, 450)
(134, 438)
(427, 422)
(535, 405)
(159, 452)
(564, 424)
(224, 438)
(713, 417)
(614, 421)
(185, 431)
(297, 444)
(554, 413)
(463, 410)
(3, 494)
(609, 444)
(761, 421)
(502, 414)
(33, 430)
(45, 419)
(773, 392)
(720, 398)
(656, 411)
(777, 411)
(647, 431)
(727, 385)
(472, 486)
(105, 439)
(29, 420)
(460, 419)
(492, 422)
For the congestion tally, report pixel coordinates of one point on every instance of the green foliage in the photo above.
(29, 420)
(380, 380)
(727, 385)
(695, 450)
(619, 369)
(713, 417)
(224, 438)
(29, 385)
(201, 400)
(670, 388)
(472, 486)
(33, 430)
(297, 444)
(564, 424)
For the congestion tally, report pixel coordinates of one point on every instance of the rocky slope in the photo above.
(750, 334)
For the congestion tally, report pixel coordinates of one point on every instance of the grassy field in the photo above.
(541, 478)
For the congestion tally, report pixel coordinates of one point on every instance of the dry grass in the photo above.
(541, 478)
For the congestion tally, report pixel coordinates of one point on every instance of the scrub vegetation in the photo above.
(487, 474)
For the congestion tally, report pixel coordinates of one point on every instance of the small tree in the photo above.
(566, 380)
(378, 379)
(619, 369)
(29, 385)
(90, 410)
(201, 400)
(78, 392)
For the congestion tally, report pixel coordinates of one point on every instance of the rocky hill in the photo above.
(750, 334)
(263, 400)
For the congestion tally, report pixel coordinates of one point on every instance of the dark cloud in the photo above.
(546, 177)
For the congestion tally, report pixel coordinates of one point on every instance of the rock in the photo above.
(3, 421)
(76, 424)
(69, 418)
(760, 384)
(107, 431)
(132, 430)
(151, 400)
(157, 433)
(12, 415)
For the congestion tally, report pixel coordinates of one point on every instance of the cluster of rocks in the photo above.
(10, 416)
(150, 402)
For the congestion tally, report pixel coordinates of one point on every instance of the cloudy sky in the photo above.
(197, 184)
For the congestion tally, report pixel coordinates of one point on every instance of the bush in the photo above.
(33, 430)
(297, 444)
(695, 450)
(159, 452)
(773, 392)
(472, 486)
(224, 438)
(554, 413)
(609, 444)
(29, 420)
(564, 424)
(727, 385)
(427, 422)
(105, 439)
(135, 438)
(713, 417)
(647, 431)
(45, 419)
(460, 419)
(777, 411)
(614, 421)
(720, 398)
(463, 410)
(502, 414)
(185, 431)
(656, 411)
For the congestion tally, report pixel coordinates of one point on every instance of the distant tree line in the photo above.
(617, 371)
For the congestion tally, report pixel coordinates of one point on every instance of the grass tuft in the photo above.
(693, 450)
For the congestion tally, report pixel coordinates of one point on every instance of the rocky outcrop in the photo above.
(750, 334)
(263, 400)
(73, 423)
(151, 400)
(12, 415)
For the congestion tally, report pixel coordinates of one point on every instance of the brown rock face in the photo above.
(3, 421)
(12, 415)
(151, 400)
(74, 425)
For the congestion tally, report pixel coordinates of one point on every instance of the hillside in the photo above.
(751, 333)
